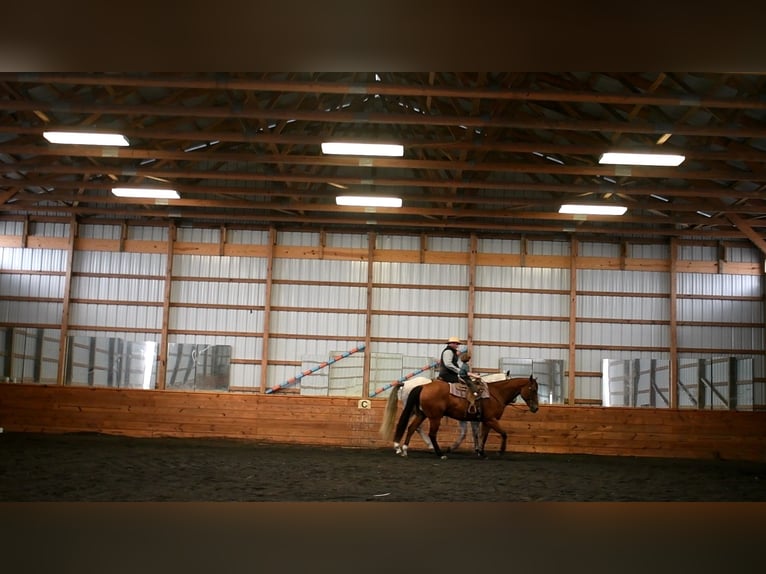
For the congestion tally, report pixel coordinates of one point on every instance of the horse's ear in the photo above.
(508, 374)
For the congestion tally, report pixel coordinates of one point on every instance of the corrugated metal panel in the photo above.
(35, 286)
(397, 242)
(417, 274)
(11, 227)
(140, 264)
(32, 312)
(324, 324)
(522, 278)
(449, 244)
(698, 252)
(218, 293)
(225, 267)
(505, 246)
(319, 296)
(319, 270)
(48, 229)
(297, 238)
(418, 301)
(347, 240)
(648, 251)
(147, 233)
(706, 284)
(195, 235)
(438, 328)
(744, 254)
(538, 247)
(32, 259)
(247, 237)
(610, 281)
(90, 231)
(589, 249)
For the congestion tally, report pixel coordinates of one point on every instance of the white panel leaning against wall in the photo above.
(322, 313)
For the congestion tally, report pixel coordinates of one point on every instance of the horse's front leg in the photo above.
(477, 446)
(494, 424)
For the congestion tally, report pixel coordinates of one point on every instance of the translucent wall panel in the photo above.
(636, 383)
(29, 355)
(551, 383)
(198, 367)
(715, 383)
(110, 362)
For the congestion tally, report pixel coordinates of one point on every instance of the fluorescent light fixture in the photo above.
(362, 201)
(660, 159)
(85, 138)
(593, 209)
(341, 148)
(146, 192)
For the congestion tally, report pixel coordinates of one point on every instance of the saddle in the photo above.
(462, 390)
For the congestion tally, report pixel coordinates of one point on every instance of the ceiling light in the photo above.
(660, 159)
(340, 148)
(146, 192)
(86, 138)
(361, 201)
(593, 209)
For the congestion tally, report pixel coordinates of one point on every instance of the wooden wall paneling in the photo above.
(338, 421)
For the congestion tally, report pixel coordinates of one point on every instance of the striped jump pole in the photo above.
(404, 378)
(299, 376)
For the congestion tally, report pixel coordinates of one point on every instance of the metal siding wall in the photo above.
(90, 231)
(499, 246)
(622, 308)
(397, 242)
(11, 228)
(248, 237)
(194, 235)
(507, 302)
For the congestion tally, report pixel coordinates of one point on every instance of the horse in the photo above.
(434, 401)
(404, 392)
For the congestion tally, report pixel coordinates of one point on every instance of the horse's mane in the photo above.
(493, 377)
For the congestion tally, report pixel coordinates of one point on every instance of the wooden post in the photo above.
(65, 303)
(267, 309)
(163, 350)
(372, 238)
(572, 320)
(673, 323)
(472, 288)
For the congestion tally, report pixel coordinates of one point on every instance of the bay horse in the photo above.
(433, 401)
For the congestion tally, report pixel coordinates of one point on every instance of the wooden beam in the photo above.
(748, 231)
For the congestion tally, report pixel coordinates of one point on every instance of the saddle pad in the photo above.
(459, 390)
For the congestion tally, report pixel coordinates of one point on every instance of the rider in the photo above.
(449, 370)
(466, 376)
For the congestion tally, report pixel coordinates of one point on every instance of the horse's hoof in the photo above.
(443, 457)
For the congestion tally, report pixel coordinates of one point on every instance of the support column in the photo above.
(163, 350)
(65, 304)
(673, 323)
(574, 248)
(267, 309)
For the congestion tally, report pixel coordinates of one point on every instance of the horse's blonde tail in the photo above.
(387, 426)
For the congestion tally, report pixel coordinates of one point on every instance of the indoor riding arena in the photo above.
(215, 304)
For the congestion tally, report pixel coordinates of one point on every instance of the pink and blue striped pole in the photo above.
(299, 376)
(404, 378)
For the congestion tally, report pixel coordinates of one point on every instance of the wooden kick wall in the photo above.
(340, 421)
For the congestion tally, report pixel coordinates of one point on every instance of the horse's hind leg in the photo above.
(460, 437)
(425, 438)
(404, 447)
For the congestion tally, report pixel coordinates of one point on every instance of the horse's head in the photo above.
(529, 393)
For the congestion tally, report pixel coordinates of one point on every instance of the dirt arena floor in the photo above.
(91, 467)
